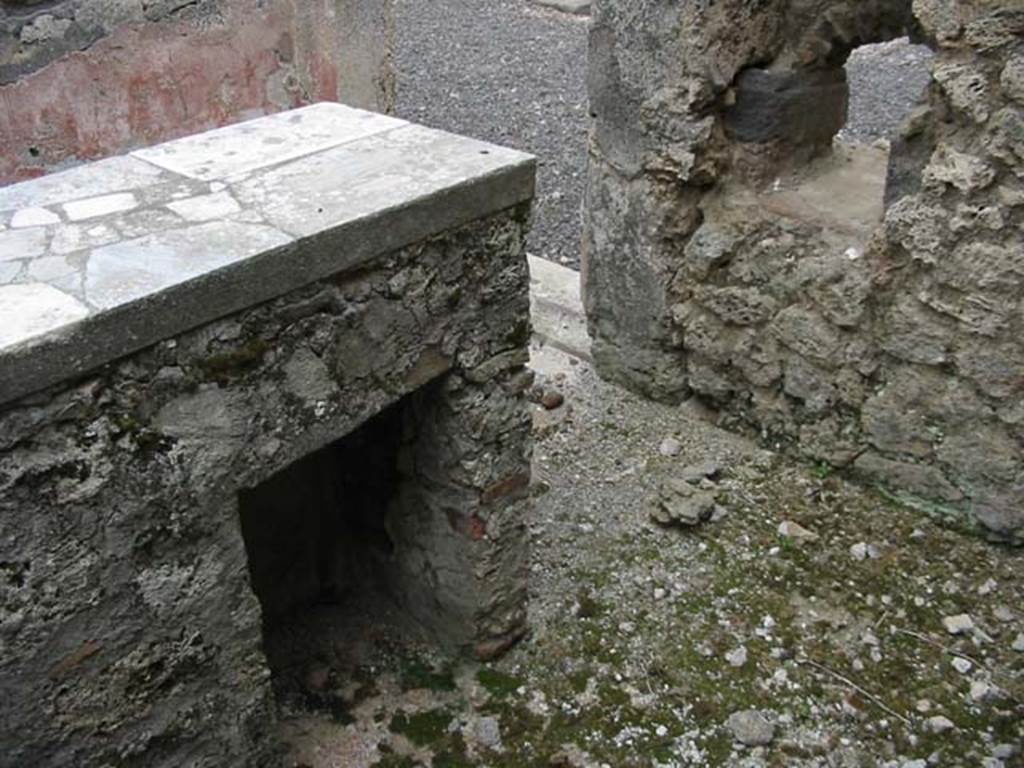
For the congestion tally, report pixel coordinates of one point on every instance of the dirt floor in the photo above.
(808, 621)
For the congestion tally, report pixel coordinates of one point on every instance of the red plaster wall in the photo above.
(151, 81)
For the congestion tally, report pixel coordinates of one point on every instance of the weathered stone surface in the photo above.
(891, 339)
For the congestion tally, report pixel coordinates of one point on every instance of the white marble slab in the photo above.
(256, 144)
(94, 207)
(30, 310)
(103, 177)
(378, 173)
(124, 272)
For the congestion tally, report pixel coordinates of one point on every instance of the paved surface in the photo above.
(512, 72)
(103, 259)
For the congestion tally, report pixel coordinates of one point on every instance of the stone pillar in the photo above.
(458, 524)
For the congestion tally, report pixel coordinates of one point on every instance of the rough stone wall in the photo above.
(129, 630)
(896, 353)
(83, 79)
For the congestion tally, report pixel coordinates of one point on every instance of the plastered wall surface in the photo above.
(84, 79)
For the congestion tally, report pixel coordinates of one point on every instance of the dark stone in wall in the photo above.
(802, 107)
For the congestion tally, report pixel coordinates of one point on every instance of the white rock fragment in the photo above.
(988, 587)
(1005, 751)
(486, 731)
(982, 692)
(960, 624)
(92, 207)
(34, 217)
(1018, 643)
(737, 657)
(1003, 614)
(938, 724)
(962, 665)
(859, 551)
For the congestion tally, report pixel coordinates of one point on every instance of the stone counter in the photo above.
(184, 332)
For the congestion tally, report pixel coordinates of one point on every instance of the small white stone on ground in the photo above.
(487, 732)
(670, 447)
(737, 657)
(1003, 614)
(982, 691)
(1005, 751)
(1018, 643)
(962, 665)
(959, 624)
(859, 551)
(988, 587)
(789, 529)
(939, 724)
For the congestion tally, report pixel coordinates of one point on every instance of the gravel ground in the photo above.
(514, 73)
(864, 636)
